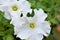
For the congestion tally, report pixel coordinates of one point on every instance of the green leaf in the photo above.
(39, 5)
(8, 37)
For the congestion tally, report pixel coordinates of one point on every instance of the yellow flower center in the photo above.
(15, 8)
(32, 25)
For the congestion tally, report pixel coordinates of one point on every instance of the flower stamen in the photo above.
(32, 25)
(14, 8)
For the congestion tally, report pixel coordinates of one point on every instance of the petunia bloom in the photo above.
(33, 25)
(14, 8)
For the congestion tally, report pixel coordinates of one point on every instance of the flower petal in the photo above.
(20, 1)
(19, 24)
(17, 21)
(44, 28)
(41, 16)
(7, 15)
(25, 8)
(5, 9)
(6, 1)
(36, 37)
(25, 33)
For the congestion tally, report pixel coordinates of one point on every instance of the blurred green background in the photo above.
(51, 7)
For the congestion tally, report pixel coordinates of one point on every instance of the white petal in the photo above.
(5, 9)
(7, 16)
(19, 24)
(6, 1)
(25, 8)
(20, 1)
(2, 1)
(17, 29)
(44, 28)
(25, 33)
(41, 16)
(31, 19)
(36, 37)
(17, 21)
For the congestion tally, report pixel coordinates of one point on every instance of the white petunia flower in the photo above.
(33, 25)
(15, 8)
(4, 8)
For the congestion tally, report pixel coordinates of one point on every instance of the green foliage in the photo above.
(6, 29)
(8, 37)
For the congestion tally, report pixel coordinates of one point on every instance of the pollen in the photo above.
(32, 25)
(15, 8)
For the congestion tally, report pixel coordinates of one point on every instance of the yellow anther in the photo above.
(32, 25)
(15, 8)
